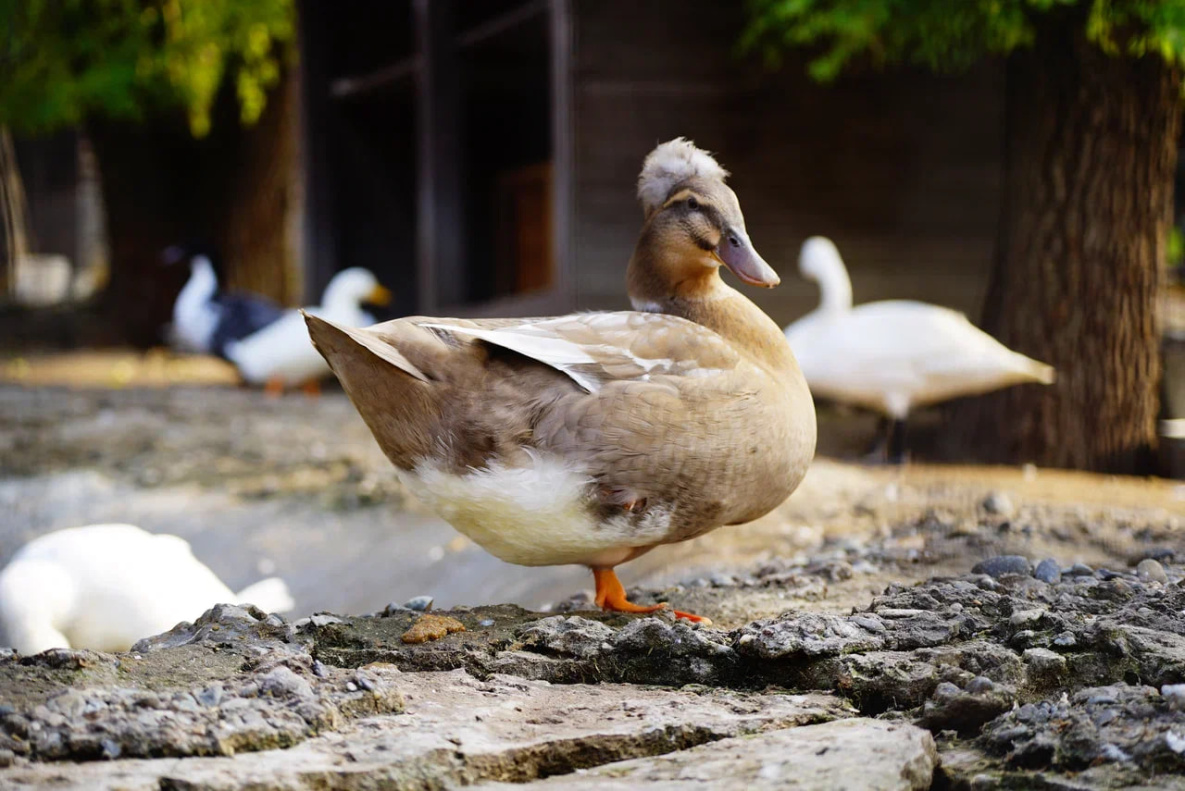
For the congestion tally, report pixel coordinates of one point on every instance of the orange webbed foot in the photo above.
(611, 597)
(274, 387)
(311, 388)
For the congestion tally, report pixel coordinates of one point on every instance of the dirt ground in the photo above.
(297, 487)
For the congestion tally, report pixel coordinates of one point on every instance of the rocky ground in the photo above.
(926, 628)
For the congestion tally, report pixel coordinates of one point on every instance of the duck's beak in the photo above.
(736, 252)
(379, 296)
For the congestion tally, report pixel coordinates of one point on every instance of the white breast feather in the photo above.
(533, 515)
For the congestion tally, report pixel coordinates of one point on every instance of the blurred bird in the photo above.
(107, 586)
(592, 438)
(895, 355)
(281, 355)
(205, 318)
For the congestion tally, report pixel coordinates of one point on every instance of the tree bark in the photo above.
(232, 189)
(1091, 149)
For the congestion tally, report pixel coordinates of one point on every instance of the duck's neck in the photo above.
(835, 287)
(200, 288)
(706, 299)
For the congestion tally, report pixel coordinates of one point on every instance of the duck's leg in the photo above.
(312, 388)
(611, 596)
(896, 444)
(274, 387)
(878, 450)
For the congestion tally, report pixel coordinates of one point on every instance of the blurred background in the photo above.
(479, 158)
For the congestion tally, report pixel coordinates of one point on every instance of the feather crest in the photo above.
(670, 164)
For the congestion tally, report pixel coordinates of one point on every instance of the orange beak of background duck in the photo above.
(736, 252)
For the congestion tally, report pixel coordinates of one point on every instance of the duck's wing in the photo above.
(241, 315)
(594, 349)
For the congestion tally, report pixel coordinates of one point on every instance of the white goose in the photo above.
(105, 587)
(281, 355)
(895, 355)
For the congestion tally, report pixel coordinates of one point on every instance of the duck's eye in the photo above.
(692, 204)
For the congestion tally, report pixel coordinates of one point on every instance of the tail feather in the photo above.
(326, 334)
(269, 595)
(398, 401)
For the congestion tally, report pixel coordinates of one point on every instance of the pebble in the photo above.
(419, 603)
(393, 608)
(1026, 617)
(319, 669)
(1113, 753)
(1048, 571)
(211, 695)
(1065, 640)
(980, 684)
(1079, 570)
(365, 682)
(999, 503)
(1108, 574)
(1002, 565)
(1175, 695)
(324, 619)
(1045, 661)
(486, 622)
(111, 749)
(1149, 569)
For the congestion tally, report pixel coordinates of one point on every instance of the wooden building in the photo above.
(480, 155)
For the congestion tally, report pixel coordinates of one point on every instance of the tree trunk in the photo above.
(1091, 149)
(233, 189)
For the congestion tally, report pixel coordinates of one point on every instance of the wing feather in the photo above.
(596, 348)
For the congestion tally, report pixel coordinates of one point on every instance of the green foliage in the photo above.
(951, 34)
(62, 61)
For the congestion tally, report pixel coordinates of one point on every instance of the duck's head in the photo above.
(351, 287)
(693, 225)
(202, 260)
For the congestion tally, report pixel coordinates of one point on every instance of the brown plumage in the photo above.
(593, 437)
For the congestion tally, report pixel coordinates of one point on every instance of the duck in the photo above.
(280, 355)
(107, 586)
(893, 356)
(592, 438)
(205, 318)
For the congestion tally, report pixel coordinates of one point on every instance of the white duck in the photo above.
(105, 587)
(206, 319)
(895, 355)
(281, 354)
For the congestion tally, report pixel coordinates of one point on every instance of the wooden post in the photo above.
(440, 249)
(320, 247)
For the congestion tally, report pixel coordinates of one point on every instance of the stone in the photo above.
(466, 730)
(1175, 695)
(431, 627)
(1079, 570)
(1044, 662)
(1002, 565)
(999, 504)
(857, 753)
(1048, 571)
(1151, 570)
(419, 603)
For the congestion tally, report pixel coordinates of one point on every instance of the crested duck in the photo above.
(280, 354)
(894, 355)
(105, 587)
(594, 437)
(205, 318)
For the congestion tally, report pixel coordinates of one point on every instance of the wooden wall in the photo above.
(901, 169)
